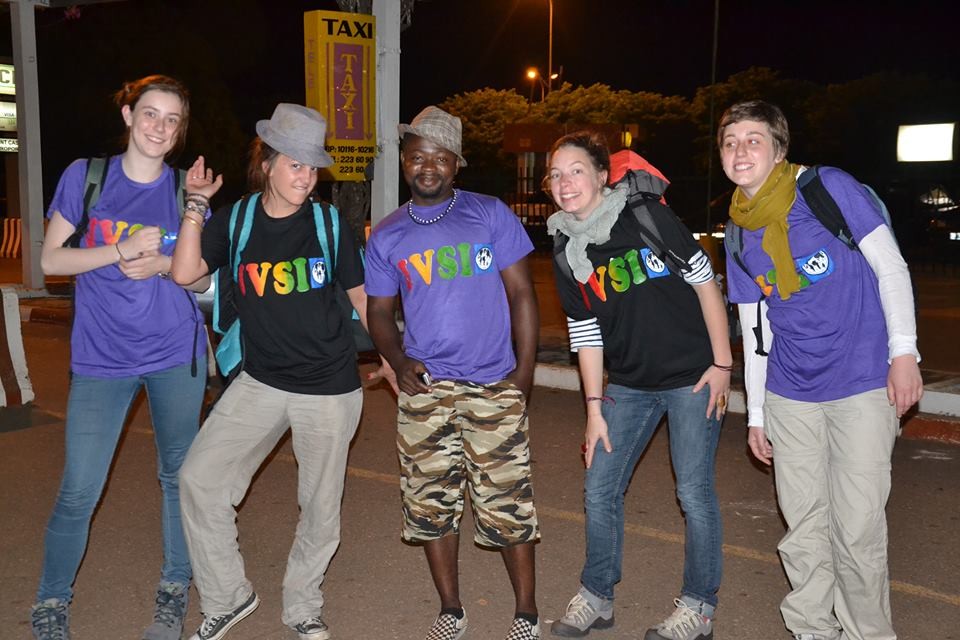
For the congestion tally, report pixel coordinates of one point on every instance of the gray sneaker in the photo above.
(683, 624)
(169, 612)
(584, 612)
(312, 629)
(50, 620)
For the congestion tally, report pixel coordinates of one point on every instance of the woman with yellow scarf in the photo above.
(825, 404)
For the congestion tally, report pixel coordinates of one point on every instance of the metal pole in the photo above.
(386, 181)
(23, 24)
(713, 81)
(550, 51)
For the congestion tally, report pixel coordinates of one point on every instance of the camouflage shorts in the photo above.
(461, 435)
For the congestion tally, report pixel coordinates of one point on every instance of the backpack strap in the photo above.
(824, 207)
(95, 178)
(328, 234)
(652, 238)
(238, 238)
(180, 188)
(327, 218)
(733, 245)
(560, 256)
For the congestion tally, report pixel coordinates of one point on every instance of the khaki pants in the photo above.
(242, 430)
(832, 463)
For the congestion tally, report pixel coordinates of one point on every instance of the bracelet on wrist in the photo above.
(722, 367)
(604, 399)
(198, 196)
(197, 207)
(116, 245)
(191, 220)
(193, 215)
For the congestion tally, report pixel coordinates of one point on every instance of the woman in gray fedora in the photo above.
(298, 369)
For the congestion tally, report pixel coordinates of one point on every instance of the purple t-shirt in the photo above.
(448, 276)
(830, 337)
(125, 327)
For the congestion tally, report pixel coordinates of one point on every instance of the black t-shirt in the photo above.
(295, 337)
(654, 335)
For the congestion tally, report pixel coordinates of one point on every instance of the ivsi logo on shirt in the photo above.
(290, 276)
(448, 262)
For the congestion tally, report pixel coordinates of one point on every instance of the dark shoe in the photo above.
(50, 620)
(169, 612)
(215, 627)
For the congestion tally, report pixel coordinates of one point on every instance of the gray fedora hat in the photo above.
(298, 132)
(440, 128)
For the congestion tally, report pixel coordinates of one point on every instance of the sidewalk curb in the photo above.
(49, 315)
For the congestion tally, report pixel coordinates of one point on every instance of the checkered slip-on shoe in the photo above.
(523, 629)
(448, 627)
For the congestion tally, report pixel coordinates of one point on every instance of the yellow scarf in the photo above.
(768, 210)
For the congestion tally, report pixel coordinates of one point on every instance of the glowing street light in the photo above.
(533, 75)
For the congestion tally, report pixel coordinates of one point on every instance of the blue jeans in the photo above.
(631, 422)
(96, 412)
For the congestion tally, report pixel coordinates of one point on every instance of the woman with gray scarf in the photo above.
(663, 333)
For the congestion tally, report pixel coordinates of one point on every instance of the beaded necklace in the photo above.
(420, 220)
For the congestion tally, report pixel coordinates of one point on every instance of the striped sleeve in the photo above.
(700, 269)
(584, 333)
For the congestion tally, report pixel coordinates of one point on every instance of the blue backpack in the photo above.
(226, 320)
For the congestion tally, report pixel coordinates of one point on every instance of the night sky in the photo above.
(253, 49)
(665, 47)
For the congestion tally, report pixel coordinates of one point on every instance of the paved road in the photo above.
(377, 587)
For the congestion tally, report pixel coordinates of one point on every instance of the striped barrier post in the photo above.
(12, 231)
(15, 384)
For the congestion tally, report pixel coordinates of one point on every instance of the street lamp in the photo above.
(533, 74)
(550, 74)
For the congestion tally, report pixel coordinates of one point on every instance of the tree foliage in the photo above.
(484, 114)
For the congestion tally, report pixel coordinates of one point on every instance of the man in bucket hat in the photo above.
(458, 261)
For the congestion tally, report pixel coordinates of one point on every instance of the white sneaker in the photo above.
(683, 624)
(581, 616)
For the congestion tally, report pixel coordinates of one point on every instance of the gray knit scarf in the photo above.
(594, 230)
